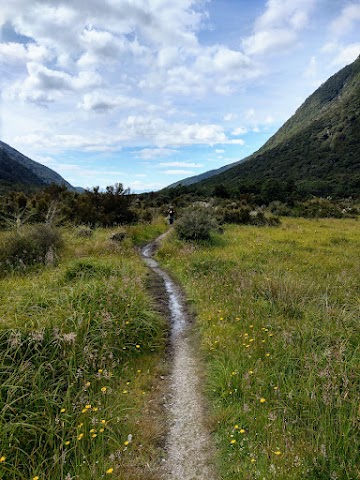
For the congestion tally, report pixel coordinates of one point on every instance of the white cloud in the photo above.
(342, 54)
(347, 20)
(150, 153)
(219, 150)
(311, 69)
(346, 54)
(12, 52)
(156, 131)
(59, 142)
(102, 102)
(239, 131)
(45, 85)
(269, 41)
(279, 26)
(230, 116)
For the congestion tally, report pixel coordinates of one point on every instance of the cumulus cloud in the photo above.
(45, 85)
(279, 26)
(18, 53)
(101, 102)
(157, 131)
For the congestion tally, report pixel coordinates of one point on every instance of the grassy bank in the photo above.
(81, 351)
(278, 312)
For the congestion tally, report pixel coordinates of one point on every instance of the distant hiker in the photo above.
(171, 215)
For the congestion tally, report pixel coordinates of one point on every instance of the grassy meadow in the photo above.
(81, 353)
(278, 318)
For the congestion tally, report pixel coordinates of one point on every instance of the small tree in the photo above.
(196, 224)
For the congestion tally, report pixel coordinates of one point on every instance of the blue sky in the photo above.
(147, 92)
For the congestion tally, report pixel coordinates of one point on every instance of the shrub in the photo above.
(196, 224)
(30, 245)
(237, 215)
(118, 236)
(85, 232)
(244, 215)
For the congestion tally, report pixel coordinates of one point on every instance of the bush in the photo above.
(118, 236)
(85, 232)
(319, 208)
(28, 246)
(196, 224)
(244, 215)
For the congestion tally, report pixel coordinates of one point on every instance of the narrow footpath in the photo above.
(188, 444)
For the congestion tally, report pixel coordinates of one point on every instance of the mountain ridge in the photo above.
(317, 149)
(18, 170)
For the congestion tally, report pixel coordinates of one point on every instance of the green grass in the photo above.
(278, 312)
(80, 350)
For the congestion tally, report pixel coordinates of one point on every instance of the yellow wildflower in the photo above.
(100, 370)
(262, 400)
(253, 460)
(67, 442)
(62, 410)
(109, 470)
(103, 389)
(2, 459)
(236, 427)
(137, 346)
(80, 436)
(277, 452)
(101, 430)
(87, 407)
(103, 421)
(94, 435)
(36, 478)
(233, 441)
(92, 430)
(126, 443)
(242, 430)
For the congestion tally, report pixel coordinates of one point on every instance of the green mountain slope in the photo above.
(14, 176)
(18, 172)
(317, 151)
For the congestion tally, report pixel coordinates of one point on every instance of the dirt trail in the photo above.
(188, 444)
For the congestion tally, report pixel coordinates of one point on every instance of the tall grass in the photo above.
(278, 312)
(80, 348)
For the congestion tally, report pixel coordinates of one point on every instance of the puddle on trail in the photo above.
(188, 444)
(178, 317)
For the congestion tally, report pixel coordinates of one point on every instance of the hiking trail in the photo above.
(188, 444)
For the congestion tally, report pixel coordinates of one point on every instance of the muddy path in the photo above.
(189, 450)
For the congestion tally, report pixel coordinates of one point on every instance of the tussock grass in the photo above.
(81, 349)
(278, 312)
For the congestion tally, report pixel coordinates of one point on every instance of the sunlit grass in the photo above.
(278, 312)
(81, 347)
